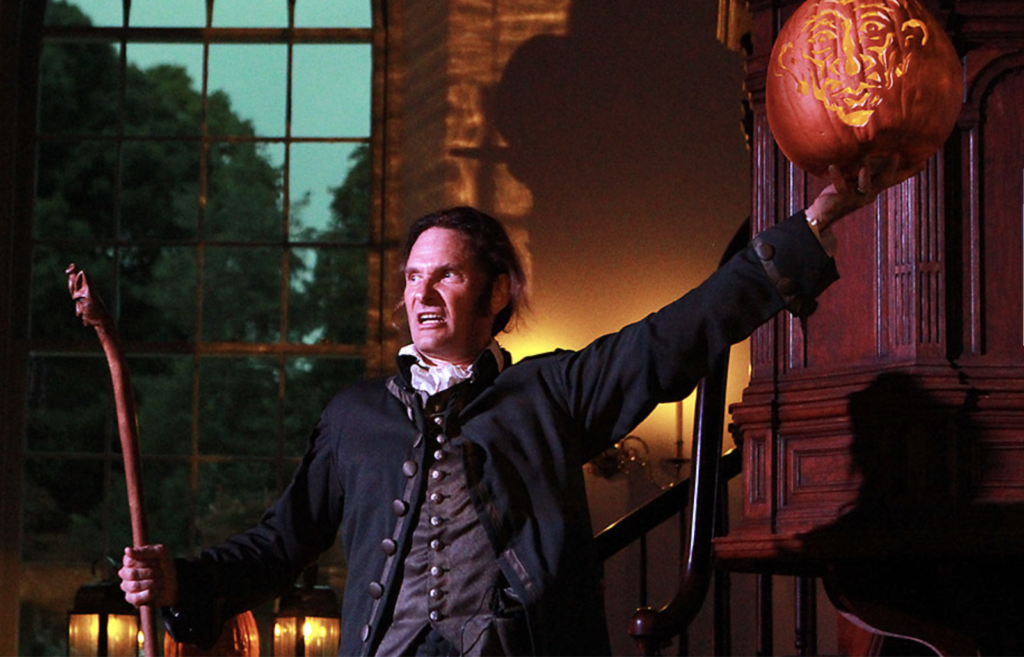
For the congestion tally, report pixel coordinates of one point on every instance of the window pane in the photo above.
(158, 294)
(232, 497)
(63, 510)
(160, 190)
(244, 195)
(238, 406)
(333, 13)
(328, 300)
(163, 400)
(330, 192)
(163, 89)
(312, 382)
(75, 190)
(70, 404)
(100, 13)
(168, 504)
(160, 13)
(250, 13)
(242, 295)
(53, 311)
(78, 88)
(334, 85)
(248, 81)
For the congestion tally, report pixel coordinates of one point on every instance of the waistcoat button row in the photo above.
(436, 594)
(436, 475)
(440, 454)
(436, 545)
(436, 498)
(434, 616)
(436, 521)
(438, 420)
(436, 571)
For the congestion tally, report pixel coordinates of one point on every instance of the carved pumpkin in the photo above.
(239, 638)
(854, 78)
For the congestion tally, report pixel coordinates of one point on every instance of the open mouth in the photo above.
(430, 319)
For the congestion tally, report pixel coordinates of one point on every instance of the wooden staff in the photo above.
(94, 314)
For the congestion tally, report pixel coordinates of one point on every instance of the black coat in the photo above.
(527, 433)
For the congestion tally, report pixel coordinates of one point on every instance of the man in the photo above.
(457, 483)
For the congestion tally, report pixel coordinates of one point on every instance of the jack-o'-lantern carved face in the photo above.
(857, 51)
(851, 79)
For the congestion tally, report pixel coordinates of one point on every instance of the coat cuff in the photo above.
(796, 264)
(198, 618)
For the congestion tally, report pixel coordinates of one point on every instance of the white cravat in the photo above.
(431, 378)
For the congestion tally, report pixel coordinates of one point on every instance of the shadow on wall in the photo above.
(627, 132)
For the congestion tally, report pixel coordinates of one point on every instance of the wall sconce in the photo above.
(102, 623)
(307, 621)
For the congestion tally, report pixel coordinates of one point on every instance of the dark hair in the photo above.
(494, 251)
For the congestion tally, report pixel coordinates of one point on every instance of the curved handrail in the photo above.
(94, 314)
(653, 628)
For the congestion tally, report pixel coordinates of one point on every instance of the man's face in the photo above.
(444, 285)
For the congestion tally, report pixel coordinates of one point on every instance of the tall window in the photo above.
(209, 165)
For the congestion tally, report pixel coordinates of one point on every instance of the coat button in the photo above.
(409, 468)
(400, 507)
(389, 547)
(764, 251)
(375, 590)
(365, 633)
(786, 286)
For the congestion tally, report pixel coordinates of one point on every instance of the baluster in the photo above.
(765, 635)
(806, 616)
(643, 569)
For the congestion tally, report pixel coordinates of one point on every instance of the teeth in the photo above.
(430, 318)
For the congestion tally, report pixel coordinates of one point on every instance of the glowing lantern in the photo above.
(102, 622)
(239, 638)
(855, 78)
(307, 621)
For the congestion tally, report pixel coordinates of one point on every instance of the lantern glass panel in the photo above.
(284, 635)
(83, 635)
(122, 635)
(321, 636)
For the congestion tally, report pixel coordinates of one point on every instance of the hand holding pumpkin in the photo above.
(845, 195)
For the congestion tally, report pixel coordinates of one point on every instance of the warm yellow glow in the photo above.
(284, 636)
(123, 635)
(83, 634)
(322, 636)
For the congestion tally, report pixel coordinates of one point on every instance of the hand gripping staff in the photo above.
(94, 314)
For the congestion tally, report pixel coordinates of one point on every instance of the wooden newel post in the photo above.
(93, 313)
